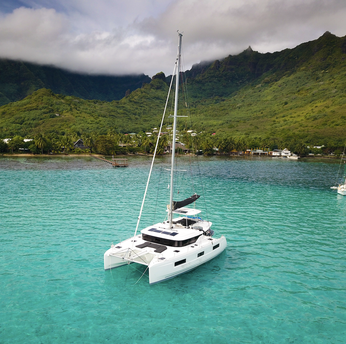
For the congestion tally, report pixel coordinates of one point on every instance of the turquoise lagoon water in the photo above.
(282, 278)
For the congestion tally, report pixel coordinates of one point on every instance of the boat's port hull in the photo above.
(111, 262)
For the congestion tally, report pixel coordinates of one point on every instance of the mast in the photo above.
(170, 212)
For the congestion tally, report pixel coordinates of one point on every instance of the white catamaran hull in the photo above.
(168, 264)
(342, 189)
(166, 269)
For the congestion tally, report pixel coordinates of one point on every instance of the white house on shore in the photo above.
(8, 140)
(285, 153)
(275, 153)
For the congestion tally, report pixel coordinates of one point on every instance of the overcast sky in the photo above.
(140, 36)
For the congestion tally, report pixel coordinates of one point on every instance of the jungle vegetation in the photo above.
(294, 98)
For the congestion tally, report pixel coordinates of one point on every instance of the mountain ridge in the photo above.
(19, 79)
(297, 93)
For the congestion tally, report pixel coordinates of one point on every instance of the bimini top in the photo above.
(186, 211)
(187, 201)
(179, 207)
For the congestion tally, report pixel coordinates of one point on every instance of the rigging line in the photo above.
(170, 209)
(191, 139)
(337, 176)
(191, 175)
(142, 274)
(132, 268)
(203, 191)
(127, 270)
(157, 194)
(177, 181)
(157, 143)
(136, 269)
(190, 146)
(137, 256)
(188, 120)
(185, 92)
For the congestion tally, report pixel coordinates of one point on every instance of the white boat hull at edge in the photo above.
(342, 189)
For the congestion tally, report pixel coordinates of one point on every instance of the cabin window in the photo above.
(179, 262)
(216, 246)
(168, 242)
(200, 254)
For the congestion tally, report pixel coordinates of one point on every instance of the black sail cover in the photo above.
(180, 204)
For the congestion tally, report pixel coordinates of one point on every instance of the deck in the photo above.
(115, 162)
(119, 162)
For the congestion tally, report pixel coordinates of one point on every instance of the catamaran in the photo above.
(341, 188)
(183, 241)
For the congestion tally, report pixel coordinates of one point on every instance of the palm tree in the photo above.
(88, 142)
(146, 142)
(16, 143)
(40, 142)
(207, 146)
(66, 142)
(225, 144)
(163, 142)
(240, 145)
(300, 149)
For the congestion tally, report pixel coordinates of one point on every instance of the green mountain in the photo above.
(295, 94)
(49, 113)
(222, 78)
(20, 79)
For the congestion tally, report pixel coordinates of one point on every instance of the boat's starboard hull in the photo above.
(167, 269)
(342, 190)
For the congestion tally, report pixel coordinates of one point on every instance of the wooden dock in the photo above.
(115, 162)
(119, 162)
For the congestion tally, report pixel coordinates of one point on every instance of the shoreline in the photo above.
(26, 155)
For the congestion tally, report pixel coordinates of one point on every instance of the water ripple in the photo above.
(282, 278)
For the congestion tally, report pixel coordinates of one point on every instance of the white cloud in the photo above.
(113, 37)
(33, 25)
(33, 35)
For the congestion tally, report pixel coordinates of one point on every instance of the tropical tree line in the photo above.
(114, 143)
(110, 144)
